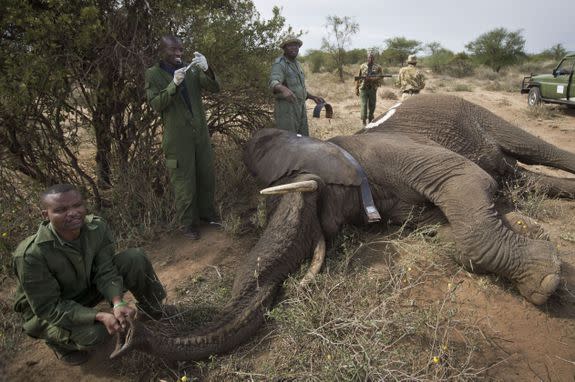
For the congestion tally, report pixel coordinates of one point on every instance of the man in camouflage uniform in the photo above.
(287, 82)
(175, 91)
(366, 88)
(411, 81)
(67, 268)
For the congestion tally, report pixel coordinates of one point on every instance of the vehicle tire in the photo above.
(534, 97)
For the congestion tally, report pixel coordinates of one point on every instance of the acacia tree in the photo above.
(397, 49)
(498, 48)
(556, 52)
(339, 32)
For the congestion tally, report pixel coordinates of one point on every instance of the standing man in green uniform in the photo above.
(366, 88)
(411, 81)
(175, 91)
(67, 268)
(287, 82)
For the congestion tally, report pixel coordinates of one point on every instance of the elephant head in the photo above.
(409, 164)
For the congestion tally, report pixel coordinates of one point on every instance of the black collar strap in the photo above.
(366, 197)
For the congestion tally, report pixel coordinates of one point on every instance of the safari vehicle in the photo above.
(558, 87)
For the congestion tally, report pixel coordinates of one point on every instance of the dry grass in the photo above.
(363, 318)
(542, 112)
(530, 199)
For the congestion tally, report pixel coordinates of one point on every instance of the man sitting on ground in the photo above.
(67, 268)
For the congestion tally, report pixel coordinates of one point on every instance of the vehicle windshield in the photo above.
(565, 67)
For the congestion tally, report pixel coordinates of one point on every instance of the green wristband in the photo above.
(120, 304)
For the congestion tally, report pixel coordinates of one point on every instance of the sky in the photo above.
(452, 23)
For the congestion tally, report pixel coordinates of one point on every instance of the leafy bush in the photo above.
(460, 66)
(72, 101)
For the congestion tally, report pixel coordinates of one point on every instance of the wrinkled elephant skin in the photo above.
(439, 154)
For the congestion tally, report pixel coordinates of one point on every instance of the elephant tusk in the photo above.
(316, 263)
(303, 186)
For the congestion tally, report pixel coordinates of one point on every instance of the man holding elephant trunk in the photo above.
(287, 81)
(67, 268)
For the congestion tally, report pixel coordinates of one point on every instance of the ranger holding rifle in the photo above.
(366, 83)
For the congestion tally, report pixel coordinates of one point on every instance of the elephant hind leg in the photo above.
(550, 185)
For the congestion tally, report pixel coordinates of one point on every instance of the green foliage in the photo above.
(72, 97)
(397, 49)
(357, 56)
(444, 61)
(460, 66)
(317, 59)
(498, 48)
(556, 52)
(339, 32)
(439, 60)
(322, 61)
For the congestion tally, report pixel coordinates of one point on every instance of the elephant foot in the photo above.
(525, 226)
(541, 268)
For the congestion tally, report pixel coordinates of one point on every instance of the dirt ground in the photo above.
(528, 343)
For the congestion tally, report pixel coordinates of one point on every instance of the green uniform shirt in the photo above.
(410, 79)
(181, 126)
(57, 282)
(186, 140)
(365, 70)
(289, 116)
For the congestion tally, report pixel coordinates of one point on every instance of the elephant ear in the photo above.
(272, 154)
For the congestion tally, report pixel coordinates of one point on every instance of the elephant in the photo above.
(438, 154)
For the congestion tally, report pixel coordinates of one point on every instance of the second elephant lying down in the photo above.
(441, 155)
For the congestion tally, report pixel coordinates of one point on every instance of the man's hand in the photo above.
(317, 99)
(200, 61)
(287, 94)
(110, 322)
(122, 313)
(179, 75)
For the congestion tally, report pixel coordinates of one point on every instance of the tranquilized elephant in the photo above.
(438, 154)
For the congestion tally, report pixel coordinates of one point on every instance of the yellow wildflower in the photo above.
(436, 359)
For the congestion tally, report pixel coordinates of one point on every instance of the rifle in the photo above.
(357, 78)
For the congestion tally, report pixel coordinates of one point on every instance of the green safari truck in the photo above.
(558, 87)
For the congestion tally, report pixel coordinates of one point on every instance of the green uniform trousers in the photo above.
(291, 116)
(139, 278)
(368, 99)
(192, 176)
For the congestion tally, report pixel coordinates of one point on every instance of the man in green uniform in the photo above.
(67, 268)
(287, 82)
(366, 88)
(175, 91)
(410, 80)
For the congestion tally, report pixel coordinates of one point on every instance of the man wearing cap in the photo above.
(366, 87)
(411, 81)
(287, 82)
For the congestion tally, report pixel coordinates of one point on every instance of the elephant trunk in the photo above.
(289, 238)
